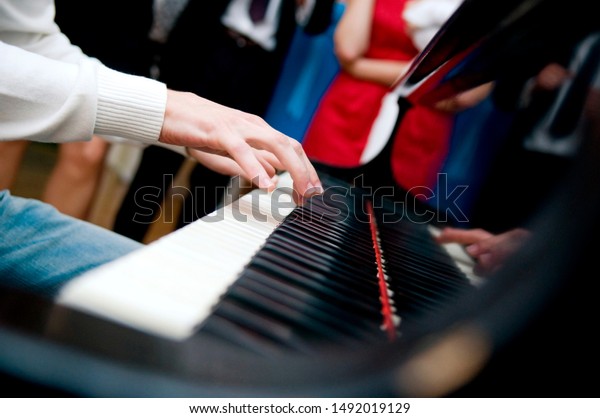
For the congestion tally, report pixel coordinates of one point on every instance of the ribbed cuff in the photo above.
(130, 106)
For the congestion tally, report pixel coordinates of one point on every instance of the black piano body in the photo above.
(527, 331)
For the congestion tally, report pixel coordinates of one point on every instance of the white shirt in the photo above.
(263, 33)
(50, 91)
(424, 18)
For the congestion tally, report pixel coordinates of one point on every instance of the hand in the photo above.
(490, 251)
(253, 147)
(465, 99)
(224, 164)
(551, 77)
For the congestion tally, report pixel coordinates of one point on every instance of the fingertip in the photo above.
(445, 236)
(266, 183)
(312, 190)
(297, 197)
(473, 249)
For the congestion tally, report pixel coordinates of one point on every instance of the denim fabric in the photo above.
(41, 249)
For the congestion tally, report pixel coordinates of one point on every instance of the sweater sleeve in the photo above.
(50, 91)
(29, 24)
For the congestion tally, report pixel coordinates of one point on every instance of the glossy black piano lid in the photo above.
(528, 332)
(482, 42)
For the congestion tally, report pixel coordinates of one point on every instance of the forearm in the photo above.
(384, 72)
(30, 25)
(353, 31)
(50, 91)
(47, 100)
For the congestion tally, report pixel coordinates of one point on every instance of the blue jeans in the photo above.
(41, 249)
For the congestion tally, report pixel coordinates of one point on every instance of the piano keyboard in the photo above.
(169, 286)
(298, 278)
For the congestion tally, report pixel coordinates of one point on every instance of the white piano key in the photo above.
(463, 260)
(169, 287)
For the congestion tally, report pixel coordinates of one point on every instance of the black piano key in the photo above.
(420, 249)
(325, 289)
(339, 285)
(343, 273)
(439, 278)
(302, 242)
(410, 298)
(427, 254)
(241, 336)
(269, 328)
(419, 290)
(425, 283)
(422, 275)
(334, 203)
(330, 234)
(304, 324)
(349, 321)
(323, 244)
(443, 278)
(339, 259)
(347, 226)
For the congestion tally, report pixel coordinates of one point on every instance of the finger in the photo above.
(483, 245)
(211, 151)
(502, 246)
(292, 156)
(497, 244)
(306, 179)
(220, 164)
(462, 236)
(287, 150)
(474, 250)
(245, 157)
(224, 164)
(271, 159)
(314, 176)
(485, 265)
(270, 163)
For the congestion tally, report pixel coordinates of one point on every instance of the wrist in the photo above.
(129, 106)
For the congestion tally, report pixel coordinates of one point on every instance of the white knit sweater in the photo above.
(50, 91)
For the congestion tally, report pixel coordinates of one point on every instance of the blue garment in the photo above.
(41, 248)
(477, 135)
(309, 68)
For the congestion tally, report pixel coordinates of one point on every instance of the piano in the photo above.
(263, 273)
(347, 295)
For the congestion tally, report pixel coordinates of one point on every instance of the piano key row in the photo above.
(314, 282)
(297, 282)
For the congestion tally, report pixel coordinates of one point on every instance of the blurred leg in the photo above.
(41, 248)
(73, 182)
(142, 203)
(11, 155)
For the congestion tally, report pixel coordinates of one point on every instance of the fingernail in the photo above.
(485, 259)
(472, 249)
(312, 190)
(264, 182)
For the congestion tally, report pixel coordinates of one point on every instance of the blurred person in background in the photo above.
(375, 47)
